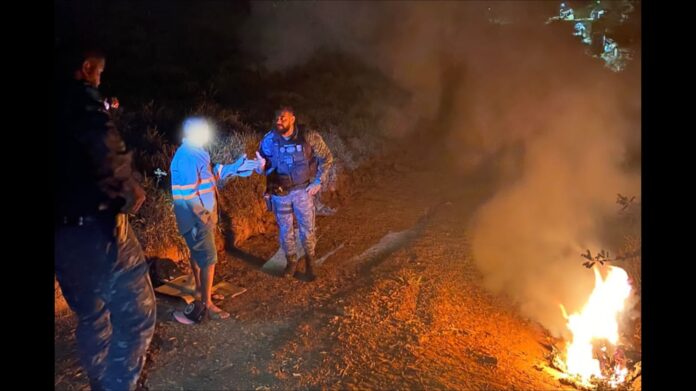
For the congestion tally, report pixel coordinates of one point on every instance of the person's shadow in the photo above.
(250, 259)
(273, 266)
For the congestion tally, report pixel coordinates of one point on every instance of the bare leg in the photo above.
(207, 274)
(197, 277)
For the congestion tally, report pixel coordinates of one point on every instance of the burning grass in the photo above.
(602, 353)
(592, 352)
(608, 358)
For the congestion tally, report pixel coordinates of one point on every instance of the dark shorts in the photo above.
(202, 245)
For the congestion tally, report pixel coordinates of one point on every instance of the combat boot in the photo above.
(291, 267)
(309, 268)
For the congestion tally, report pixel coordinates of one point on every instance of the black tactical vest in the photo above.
(293, 163)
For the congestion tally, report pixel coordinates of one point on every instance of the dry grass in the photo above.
(630, 217)
(632, 265)
(61, 306)
(155, 224)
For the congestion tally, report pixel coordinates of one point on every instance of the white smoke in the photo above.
(522, 96)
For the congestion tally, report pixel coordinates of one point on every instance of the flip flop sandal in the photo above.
(218, 315)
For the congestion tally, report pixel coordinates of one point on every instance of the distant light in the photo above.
(609, 45)
(566, 13)
(614, 57)
(579, 28)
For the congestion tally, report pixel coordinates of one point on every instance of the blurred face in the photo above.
(198, 133)
(285, 121)
(92, 69)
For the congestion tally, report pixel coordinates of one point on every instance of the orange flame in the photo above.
(598, 320)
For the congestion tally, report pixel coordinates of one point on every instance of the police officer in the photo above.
(99, 263)
(296, 163)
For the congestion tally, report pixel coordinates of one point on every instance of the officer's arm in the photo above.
(323, 156)
(265, 153)
(111, 161)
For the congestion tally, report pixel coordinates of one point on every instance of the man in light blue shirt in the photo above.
(194, 191)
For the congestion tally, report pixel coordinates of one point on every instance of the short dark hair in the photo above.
(285, 109)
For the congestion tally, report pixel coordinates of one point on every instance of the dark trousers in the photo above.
(103, 274)
(300, 205)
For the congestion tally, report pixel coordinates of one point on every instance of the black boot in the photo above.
(309, 268)
(290, 267)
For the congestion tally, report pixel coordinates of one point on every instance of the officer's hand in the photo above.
(261, 163)
(135, 197)
(313, 189)
(244, 164)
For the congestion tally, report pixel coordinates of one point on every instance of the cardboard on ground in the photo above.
(184, 287)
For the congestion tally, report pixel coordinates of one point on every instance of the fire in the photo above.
(598, 321)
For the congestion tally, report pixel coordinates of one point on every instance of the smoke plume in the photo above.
(505, 91)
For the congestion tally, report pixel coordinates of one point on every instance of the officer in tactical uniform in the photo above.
(296, 163)
(99, 263)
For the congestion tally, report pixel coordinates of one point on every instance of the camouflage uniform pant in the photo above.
(105, 280)
(297, 204)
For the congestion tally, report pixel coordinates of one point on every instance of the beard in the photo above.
(281, 129)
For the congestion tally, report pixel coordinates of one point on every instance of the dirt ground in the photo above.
(408, 313)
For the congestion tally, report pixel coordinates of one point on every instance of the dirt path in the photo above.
(398, 306)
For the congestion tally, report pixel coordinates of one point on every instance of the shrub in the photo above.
(155, 223)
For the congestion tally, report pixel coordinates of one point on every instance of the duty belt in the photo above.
(280, 190)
